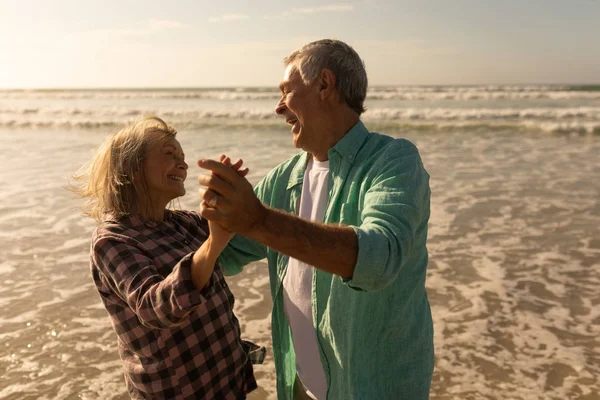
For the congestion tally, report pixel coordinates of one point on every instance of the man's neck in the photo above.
(340, 126)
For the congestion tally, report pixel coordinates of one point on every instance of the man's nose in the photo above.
(281, 107)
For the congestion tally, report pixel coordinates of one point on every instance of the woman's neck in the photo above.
(152, 210)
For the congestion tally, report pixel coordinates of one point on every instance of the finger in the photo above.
(222, 157)
(237, 164)
(215, 183)
(208, 196)
(225, 172)
(208, 213)
(204, 205)
(216, 214)
(201, 192)
(227, 161)
(207, 204)
(243, 172)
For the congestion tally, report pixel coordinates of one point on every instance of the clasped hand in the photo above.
(228, 199)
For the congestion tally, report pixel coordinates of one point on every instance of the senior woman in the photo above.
(156, 272)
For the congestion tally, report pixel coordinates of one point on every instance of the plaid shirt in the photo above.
(175, 342)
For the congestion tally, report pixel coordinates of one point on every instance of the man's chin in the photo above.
(297, 144)
(296, 140)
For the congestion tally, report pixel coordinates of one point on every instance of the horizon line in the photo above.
(48, 88)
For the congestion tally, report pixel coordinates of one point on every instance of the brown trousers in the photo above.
(300, 390)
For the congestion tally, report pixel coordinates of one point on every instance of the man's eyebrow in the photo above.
(282, 85)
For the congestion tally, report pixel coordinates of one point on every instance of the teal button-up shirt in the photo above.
(374, 331)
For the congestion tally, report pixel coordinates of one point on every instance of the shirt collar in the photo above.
(297, 174)
(135, 221)
(347, 147)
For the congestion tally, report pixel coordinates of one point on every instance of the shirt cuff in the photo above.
(186, 294)
(370, 262)
(256, 353)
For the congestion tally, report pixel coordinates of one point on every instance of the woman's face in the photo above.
(165, 170)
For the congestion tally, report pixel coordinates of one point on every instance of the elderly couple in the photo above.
(343, 225)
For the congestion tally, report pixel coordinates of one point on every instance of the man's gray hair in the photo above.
(350, 75)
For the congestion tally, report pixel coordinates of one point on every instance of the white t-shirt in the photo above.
(297, 286)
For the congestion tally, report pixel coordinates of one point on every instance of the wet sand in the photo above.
(514, 277)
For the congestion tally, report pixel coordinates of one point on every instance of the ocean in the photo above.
(546, 108)
(514, 239)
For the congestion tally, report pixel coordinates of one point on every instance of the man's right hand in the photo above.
(219, 235)
(229, 199)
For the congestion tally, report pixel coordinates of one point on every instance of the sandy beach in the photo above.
(514, 242)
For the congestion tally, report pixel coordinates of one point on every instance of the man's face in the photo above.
(299, 105)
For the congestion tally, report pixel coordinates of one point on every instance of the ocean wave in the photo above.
(428, 114)
(482, 95)
(109, 115)
(431, 125)
(408, 93)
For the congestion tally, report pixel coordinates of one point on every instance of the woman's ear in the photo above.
(136, 177)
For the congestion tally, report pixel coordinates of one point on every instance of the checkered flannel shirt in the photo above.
(175, 342)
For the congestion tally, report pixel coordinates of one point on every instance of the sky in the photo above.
(192, 43)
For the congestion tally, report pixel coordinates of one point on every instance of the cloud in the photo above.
(228, 18)
(326, 8)
(281, 16)
(295, 12)
(406, 48)
(162, 24)
(142, 28)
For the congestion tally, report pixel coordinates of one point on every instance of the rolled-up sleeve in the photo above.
(240, 252)
(395, 209)
(158, 302)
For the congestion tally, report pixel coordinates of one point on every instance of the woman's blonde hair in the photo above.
(107, 180)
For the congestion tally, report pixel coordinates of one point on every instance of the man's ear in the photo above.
(326, 83)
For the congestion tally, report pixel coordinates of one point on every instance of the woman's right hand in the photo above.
(238, 164)
(220, 236)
